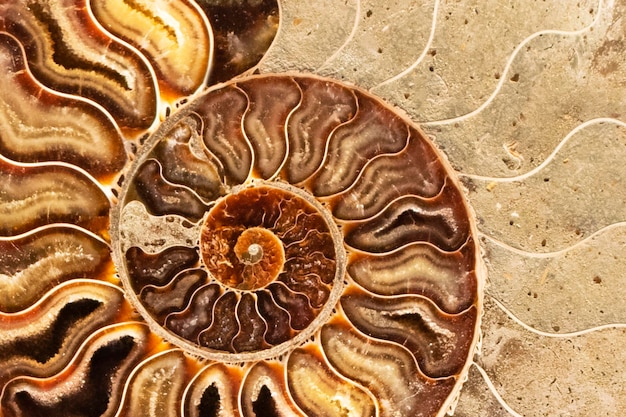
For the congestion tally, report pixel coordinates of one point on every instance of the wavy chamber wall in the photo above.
(207, 210)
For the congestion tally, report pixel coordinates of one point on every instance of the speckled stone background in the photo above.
(528, 101)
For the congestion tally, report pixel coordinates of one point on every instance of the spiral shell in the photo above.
(295, 222)
(280, 245)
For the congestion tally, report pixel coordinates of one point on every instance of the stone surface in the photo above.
(527, 100)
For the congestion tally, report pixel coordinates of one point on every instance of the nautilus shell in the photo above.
(273, 245)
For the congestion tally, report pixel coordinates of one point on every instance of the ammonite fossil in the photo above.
(282, 244)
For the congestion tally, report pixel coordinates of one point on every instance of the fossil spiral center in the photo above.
(243, 250)
(265, 270)
(254, 252)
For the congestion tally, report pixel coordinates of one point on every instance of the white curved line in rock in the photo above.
(555, 335)
(509, 62)
(355, 26)
(420, 58)
(543, 255)
(550, 157)
(494, 391)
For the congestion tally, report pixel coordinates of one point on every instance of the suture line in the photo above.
(494, 391)
(543, 255)
(550, 157)
(348, 39)
(509, 62)
(555, 335)
(420, 58)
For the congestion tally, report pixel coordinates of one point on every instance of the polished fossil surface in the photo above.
(342, 268)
